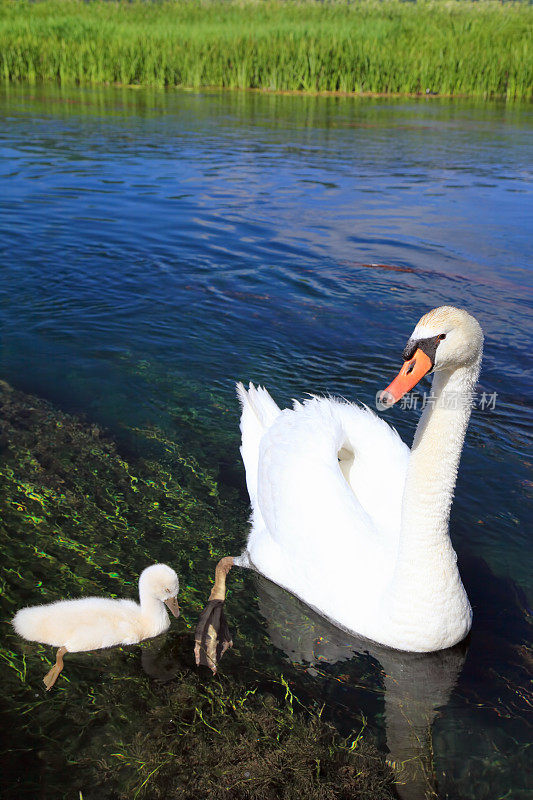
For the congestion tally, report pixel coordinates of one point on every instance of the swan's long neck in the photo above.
(426, 583)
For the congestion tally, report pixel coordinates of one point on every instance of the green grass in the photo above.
(452, 48)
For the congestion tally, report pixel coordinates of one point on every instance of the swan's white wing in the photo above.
(374, 461)
(317, 521)
(333, 461)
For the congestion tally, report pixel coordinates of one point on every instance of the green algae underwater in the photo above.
(81, 518)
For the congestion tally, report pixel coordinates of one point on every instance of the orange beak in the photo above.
(409, 375)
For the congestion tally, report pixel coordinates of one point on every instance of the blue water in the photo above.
(161, 245)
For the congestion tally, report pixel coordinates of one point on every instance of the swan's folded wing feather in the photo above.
(377, 469)
(315, 517)
(309, 507)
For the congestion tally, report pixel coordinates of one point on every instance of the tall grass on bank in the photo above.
(443, 46)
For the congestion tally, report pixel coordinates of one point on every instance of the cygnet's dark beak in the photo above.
(172, 605)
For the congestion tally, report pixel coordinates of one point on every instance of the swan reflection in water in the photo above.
(414, 685)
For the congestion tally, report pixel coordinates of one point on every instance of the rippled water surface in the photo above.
(156, 247)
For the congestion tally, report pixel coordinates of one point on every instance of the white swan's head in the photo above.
(450, 336)
(161, 582)
(446, 338)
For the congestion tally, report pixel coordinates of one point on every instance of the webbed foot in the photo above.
(212, 637)
(51, 677)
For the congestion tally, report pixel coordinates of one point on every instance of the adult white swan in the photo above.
(350, 520)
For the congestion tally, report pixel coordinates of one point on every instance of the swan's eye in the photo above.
(442, 336)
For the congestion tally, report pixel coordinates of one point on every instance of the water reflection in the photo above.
(162, 658)
(415, 685)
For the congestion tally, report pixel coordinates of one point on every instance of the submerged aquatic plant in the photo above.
(223, 740)
(80, 518)
(479, 49)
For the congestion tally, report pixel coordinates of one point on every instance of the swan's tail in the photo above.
(258, 413)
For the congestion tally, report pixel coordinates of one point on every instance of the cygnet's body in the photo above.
(92, 623)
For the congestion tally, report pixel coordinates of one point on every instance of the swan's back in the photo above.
(373, 460)
(332, 466)
(329, 481)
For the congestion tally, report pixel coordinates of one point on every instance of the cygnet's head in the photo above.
(161, 581)
(446, 338)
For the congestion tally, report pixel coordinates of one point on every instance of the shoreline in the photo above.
(365, 48)
(501, 98)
